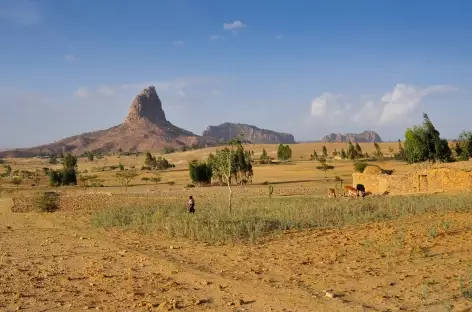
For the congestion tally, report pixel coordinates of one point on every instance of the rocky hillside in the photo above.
(144, 129)
(253, 134)
(366, 136)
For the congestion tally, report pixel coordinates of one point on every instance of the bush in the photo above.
(284, 152)
(48, 202)
(53, 160)
(55, 177)
(62, 177)
(359, 166)
(168, 150)
(200, 172)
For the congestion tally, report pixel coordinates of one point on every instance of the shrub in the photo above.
(284, 152)
(55, 177)
(359, 166)
(53, 160)
(200, 172)
(48, 202)
(168, 150)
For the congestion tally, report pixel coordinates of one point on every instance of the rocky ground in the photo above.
(57, 262)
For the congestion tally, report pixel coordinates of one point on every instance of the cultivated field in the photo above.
(137, 250)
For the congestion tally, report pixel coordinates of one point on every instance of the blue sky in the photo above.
(304, 67)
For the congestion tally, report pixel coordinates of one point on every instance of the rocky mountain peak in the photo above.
(146, 105)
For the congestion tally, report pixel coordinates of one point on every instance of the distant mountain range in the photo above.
(366, 136)
(253, 134)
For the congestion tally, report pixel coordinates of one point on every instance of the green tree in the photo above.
(126, 176)
(69, 162)
(325, 152)
(423, 143)
(314, 156)
(284, 152)
(465, 143)
(265, 159)
(378, 151)
(90, 156)
(200, 172)
(324, 166)
(351, 151)
(358, 151)
(231, 163)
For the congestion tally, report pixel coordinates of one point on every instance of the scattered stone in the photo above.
(200, 301)
(330, 294)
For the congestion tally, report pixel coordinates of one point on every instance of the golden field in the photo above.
(138, 250)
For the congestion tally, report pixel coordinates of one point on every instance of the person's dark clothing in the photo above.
(191, 205)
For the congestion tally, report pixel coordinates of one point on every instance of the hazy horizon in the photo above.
(307, 68)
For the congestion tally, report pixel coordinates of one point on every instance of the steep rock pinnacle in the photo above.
(146, 105)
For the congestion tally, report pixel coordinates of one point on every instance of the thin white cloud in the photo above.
(392, 108)
(69, 57)
(178, 43)
(215, 37)
(234, 25)
(106, 91)
(20, 12)
(180, 93)
(82, 92)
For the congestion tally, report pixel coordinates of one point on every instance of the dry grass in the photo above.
(254, 218)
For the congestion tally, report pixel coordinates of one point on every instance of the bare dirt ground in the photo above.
(57, 262)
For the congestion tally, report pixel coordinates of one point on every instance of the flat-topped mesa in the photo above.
(146, 105)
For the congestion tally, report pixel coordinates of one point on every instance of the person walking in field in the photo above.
(191, 205)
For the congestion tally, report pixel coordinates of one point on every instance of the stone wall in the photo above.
(432, 180)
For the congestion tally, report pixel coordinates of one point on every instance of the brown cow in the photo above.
(352, 191)
(331, 193)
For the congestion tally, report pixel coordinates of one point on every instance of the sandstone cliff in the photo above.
(144, 129)
(227, 131)
(366, 136)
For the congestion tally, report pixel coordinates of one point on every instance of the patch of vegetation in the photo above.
(159, 163)
(265, 159)
(67, 175)
(324, 166)
(47, 202)
(423, 143)
(126, 176)
(255, 218)
(168, 150)
(284, 152)
(200, 172)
